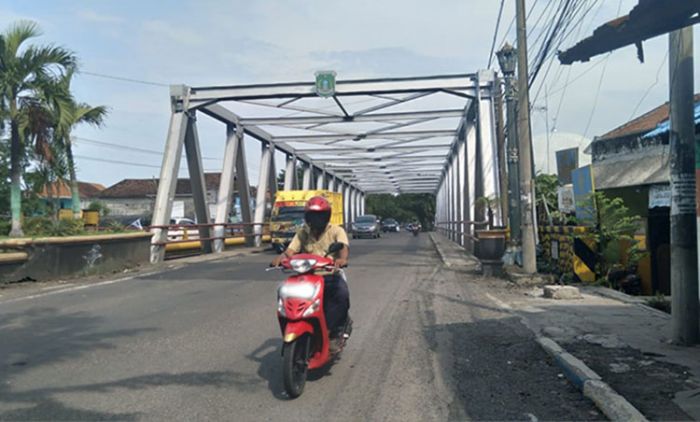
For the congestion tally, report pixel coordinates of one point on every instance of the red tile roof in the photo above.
(642, 124)
(62, 190)
(139, 188)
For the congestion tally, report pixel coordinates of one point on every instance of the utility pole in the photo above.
(507, 60)
(546, 123)
(525, 143)
(684, 260)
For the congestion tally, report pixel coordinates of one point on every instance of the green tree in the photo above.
(615, 230)
(403, 207)
(28, 76)
(67, 117)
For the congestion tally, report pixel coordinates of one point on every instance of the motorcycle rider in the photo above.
(315, 238)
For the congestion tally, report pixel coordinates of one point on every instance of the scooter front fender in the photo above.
(295, 329)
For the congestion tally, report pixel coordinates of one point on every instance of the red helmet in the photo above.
(317, 204)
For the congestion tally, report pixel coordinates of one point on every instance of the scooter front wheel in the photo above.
(295, 365)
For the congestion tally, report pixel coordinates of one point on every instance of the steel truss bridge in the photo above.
(434, 134)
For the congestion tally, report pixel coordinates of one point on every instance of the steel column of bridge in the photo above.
(350, 200)
(448, 202)
(197, 183)
(290, 173)
(486, 125)
(261, 197)
(321, 179)
(453, 199)
(174, 144)
(308, 174)
(458, 195)
(460, 191)
(234, 139)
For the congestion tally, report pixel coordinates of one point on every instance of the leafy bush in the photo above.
(42, 227)
(38, 226)
(614, 235)
(99, 206)
(5, 226)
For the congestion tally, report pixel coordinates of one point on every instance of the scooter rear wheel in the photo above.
(295, 364)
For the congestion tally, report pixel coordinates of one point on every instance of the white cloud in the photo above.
(92, 16)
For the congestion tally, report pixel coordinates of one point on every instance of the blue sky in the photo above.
(207, 42)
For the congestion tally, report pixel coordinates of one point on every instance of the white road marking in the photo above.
(499, 302)
(74, 288)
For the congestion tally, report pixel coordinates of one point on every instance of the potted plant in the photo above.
(491, 242)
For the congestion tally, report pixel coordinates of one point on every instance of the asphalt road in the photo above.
(202, 343)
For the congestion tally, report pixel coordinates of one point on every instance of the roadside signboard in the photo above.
(582, 179)
(565, 199)
(567, 161)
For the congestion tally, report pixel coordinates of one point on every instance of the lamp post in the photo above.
(507, 60)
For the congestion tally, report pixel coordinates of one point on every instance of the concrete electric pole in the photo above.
(684, 259)
(525, 143)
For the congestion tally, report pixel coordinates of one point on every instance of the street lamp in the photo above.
(508, 59)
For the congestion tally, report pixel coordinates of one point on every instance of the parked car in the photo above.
(183, 232)
(390, 225)
(366, 226)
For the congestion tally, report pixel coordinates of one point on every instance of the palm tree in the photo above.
(67, 118)
(26, 73)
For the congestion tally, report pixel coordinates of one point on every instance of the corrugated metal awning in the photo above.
(635, 172)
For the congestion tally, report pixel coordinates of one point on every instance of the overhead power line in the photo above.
(123, 79)
(495, 33)
(128, 148)
(128, 163)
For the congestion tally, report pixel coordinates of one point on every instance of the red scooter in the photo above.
(302, 321)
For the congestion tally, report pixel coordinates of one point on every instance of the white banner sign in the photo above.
(660, 196)
(565, 199)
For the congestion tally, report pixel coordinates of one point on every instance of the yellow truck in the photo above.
(288, 213)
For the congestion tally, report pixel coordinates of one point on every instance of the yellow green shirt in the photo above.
(305, 242)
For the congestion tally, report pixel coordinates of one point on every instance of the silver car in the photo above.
(366, 226)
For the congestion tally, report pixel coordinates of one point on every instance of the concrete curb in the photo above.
(625, 298)
(463, 262)
(439, 251)
(613, 405)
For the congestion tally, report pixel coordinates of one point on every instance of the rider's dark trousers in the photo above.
(336, 302)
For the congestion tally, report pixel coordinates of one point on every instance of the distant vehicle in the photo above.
(182, 222)
(366, 226)
(182, 232)
(390, 225)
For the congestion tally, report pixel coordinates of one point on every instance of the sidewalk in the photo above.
(625, 343)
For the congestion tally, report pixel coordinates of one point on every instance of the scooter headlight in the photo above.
(302, 265)
(298, 290)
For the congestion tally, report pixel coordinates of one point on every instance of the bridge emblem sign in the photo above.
(325, 83)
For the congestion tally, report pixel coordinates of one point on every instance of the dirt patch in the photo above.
(503, 374)
(631, 373)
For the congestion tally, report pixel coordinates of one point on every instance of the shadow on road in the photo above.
(40, 338)
(269, 357)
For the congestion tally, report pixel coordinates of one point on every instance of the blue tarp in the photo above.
(664, 127)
